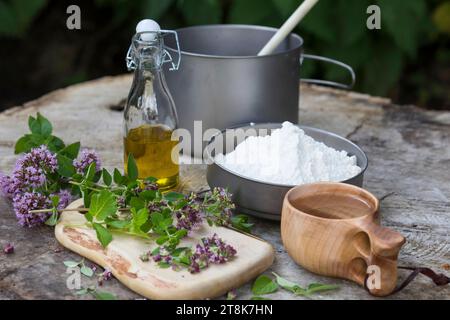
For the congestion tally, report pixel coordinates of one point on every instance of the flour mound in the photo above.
(288, 156)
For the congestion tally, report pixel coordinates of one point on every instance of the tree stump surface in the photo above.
(409, 162)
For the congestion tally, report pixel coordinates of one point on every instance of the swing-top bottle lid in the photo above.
(148, 31)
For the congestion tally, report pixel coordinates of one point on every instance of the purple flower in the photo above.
(65, 197)
(150, 185)
(23, 203)
(31, 168)
(107, 275)
(87, 157)
(104, 276)
(212, 250)
(8, 249)
(29, 172)
(188, 218)
(6, 186)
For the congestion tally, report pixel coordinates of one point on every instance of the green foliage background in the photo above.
(412, 30)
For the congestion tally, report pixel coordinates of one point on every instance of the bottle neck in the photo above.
(148, 56)
(149, 65)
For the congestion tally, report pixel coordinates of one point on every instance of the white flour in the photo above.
(288, 156)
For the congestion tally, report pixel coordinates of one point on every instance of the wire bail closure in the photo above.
(166, 56)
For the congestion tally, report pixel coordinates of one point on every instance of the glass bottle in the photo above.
(150, 116)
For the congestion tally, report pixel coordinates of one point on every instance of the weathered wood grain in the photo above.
(409, 162)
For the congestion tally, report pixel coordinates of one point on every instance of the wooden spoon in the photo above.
(288, 26)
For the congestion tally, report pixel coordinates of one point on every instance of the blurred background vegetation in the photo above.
(407, 60)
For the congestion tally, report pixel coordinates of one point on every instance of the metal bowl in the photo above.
(262, 199)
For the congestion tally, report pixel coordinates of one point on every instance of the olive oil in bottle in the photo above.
(150, 116)
(155, 154)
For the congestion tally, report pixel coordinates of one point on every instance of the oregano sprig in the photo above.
(51, 174)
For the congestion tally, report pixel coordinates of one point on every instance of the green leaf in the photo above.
(71, 151)
(40, 126)
(82, 292)
(173, 196)
(103, 235)
(137, 203)
(53, 219)
(55, 144)
(286, 284)
(132, 170)
(90, 172)
(147, 226)
(163, 265)
(55, 201)
(156, 218)
(318, 287)
(107, 179)
(166, 223)
(118, 178)
(87, 194)
(156, 251)
(24, 144)
(240, 222)
(37, 140)
(259, 298)
(148, 195)
(118, 224)
(65, 166)
(139, 217)
(264, 285)
(161, 240)
(87, 271)
(103, 204)
(71, 264)
(34, 125)
(45, 125)
(181, 233)
(103, 295)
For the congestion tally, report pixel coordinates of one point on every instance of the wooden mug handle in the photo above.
(384, 246)
(385, 242)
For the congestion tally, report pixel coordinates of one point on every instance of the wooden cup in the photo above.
(332, 229)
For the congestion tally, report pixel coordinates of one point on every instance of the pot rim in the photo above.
(234, 26)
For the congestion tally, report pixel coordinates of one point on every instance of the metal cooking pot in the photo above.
(262, 199)
(222, 82)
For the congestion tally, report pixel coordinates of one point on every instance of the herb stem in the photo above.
(148, 237)
(90, 188)
(80, 210)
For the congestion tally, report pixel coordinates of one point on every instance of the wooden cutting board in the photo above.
(121, 256)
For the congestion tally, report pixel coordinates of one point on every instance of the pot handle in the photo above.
(326, 82)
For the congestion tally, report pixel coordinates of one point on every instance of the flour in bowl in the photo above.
(288, 156)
